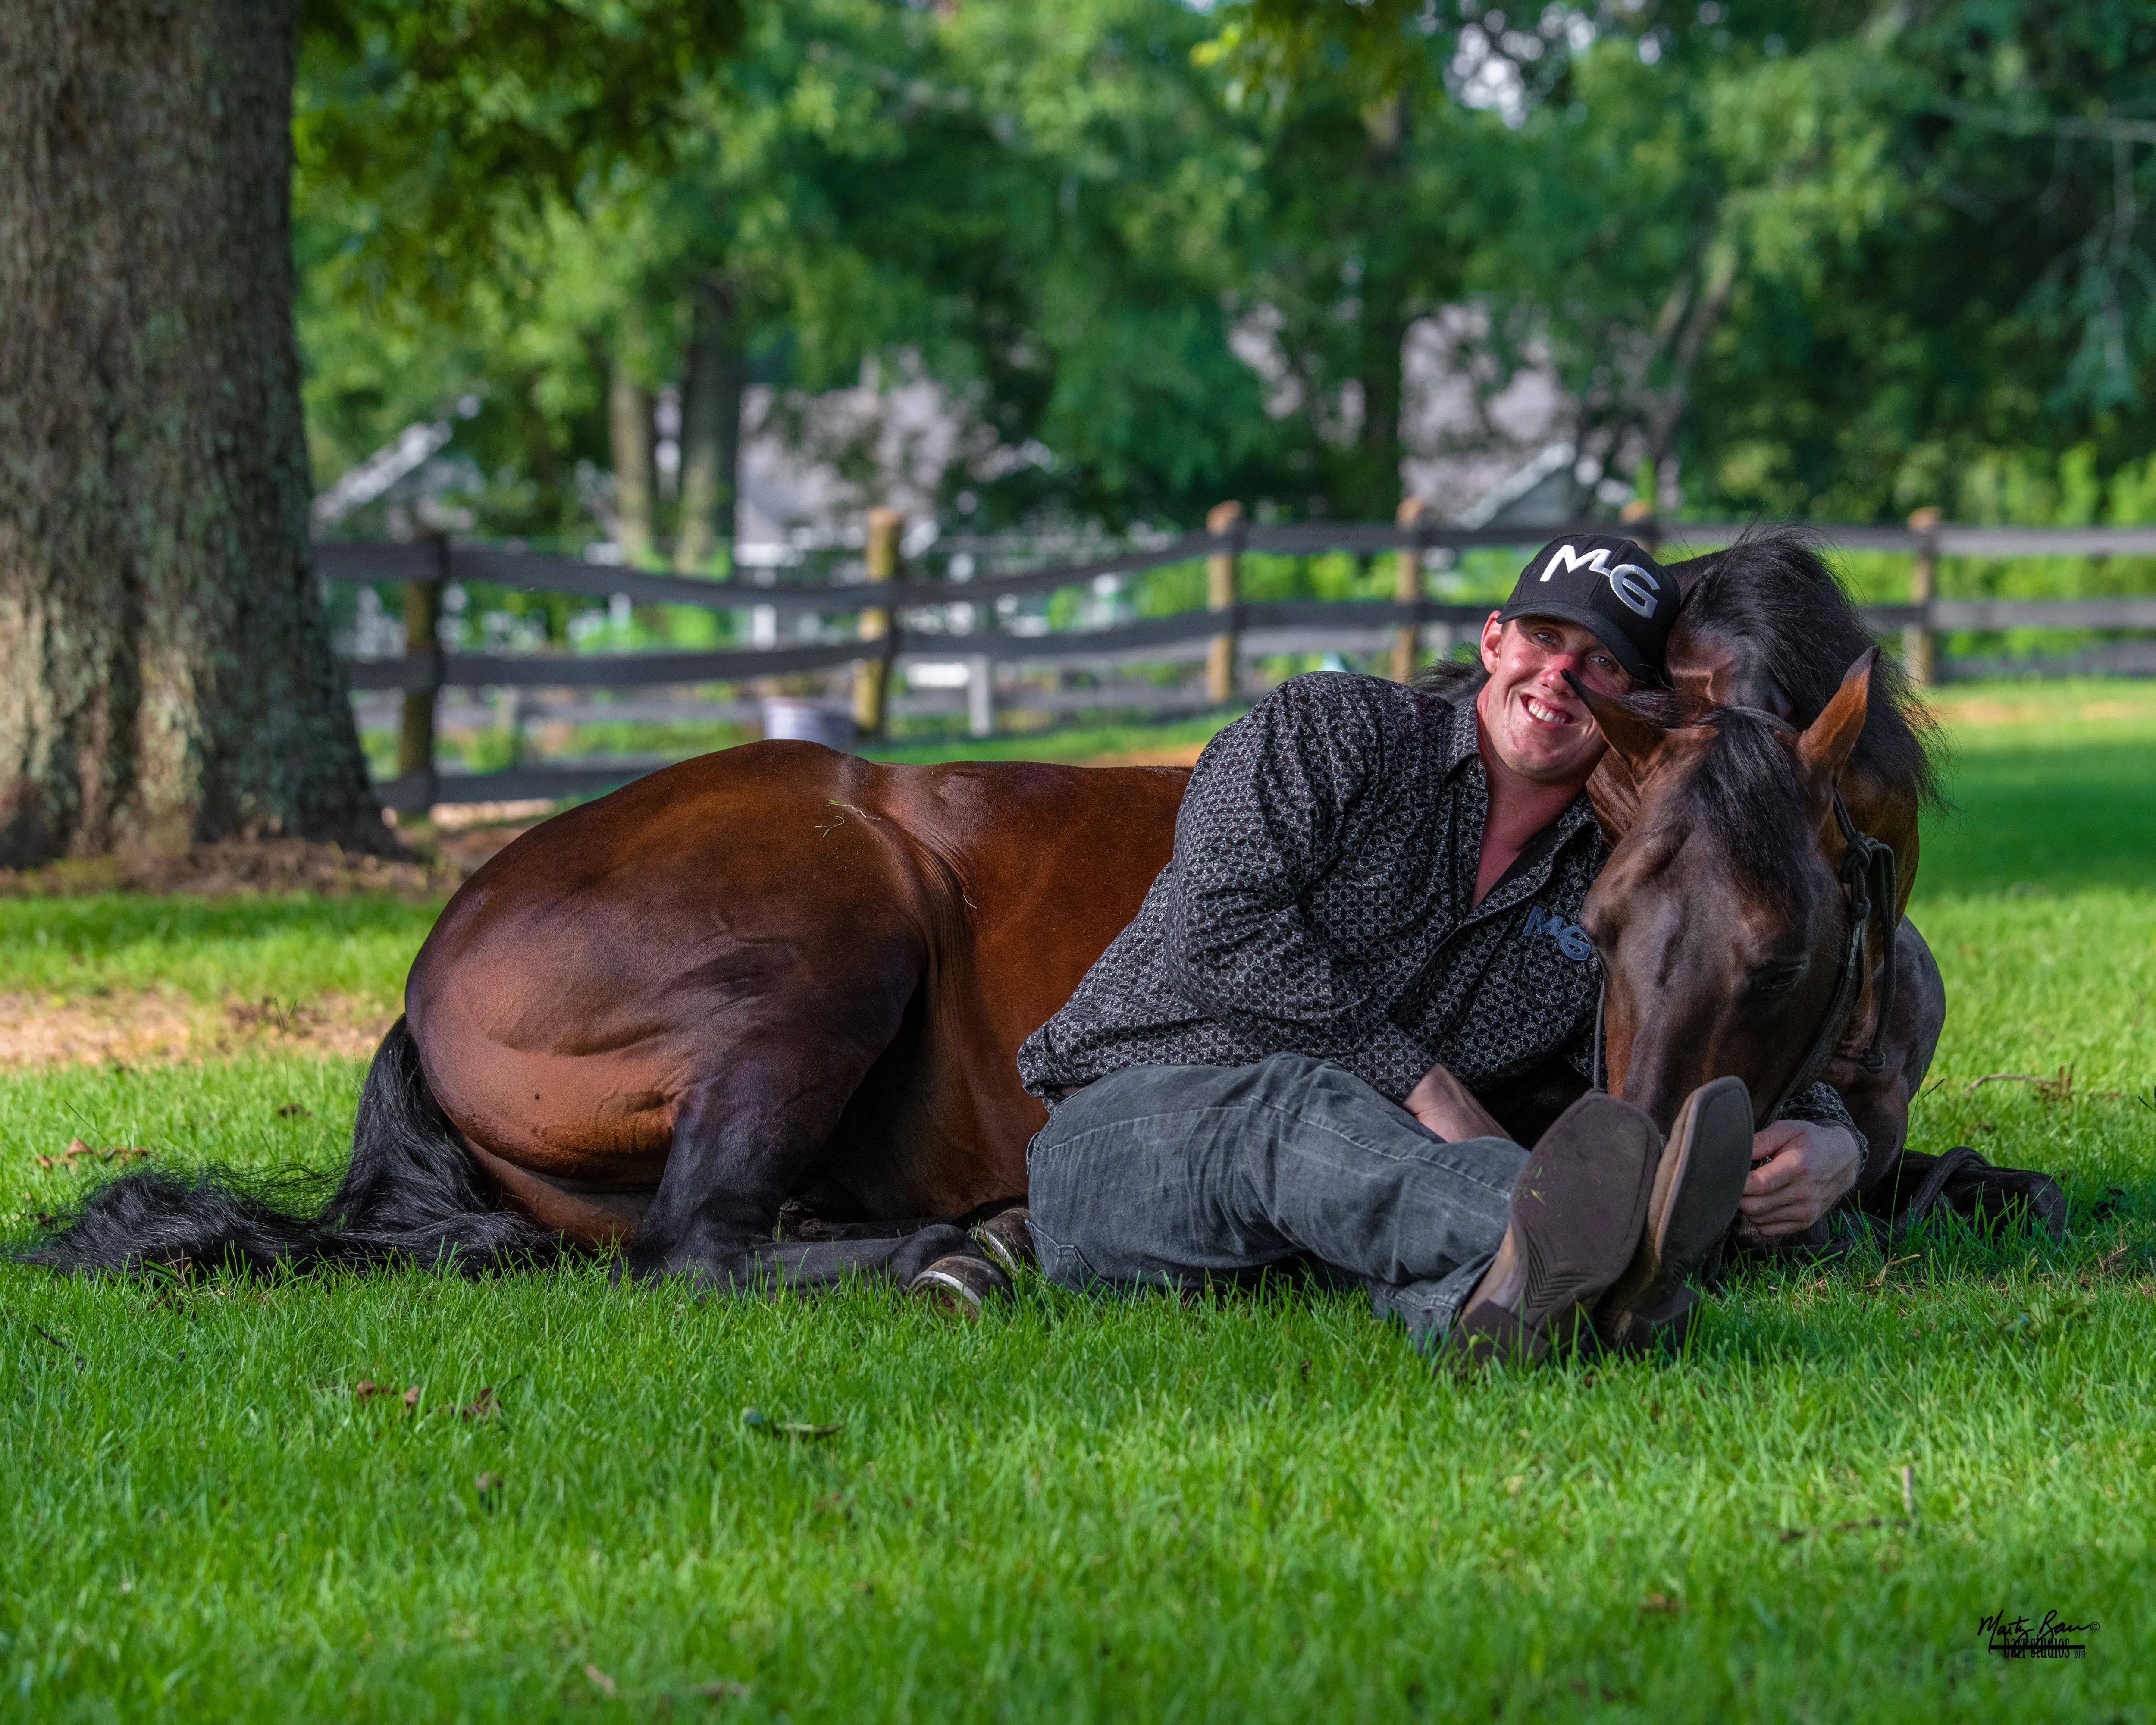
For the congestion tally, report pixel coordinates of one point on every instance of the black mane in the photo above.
(1772, 589)
(1745, 795)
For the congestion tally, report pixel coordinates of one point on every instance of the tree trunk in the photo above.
(164, 666)
(1384, 332)
(711, 426)
(1665, 417)
(1370, 487)
(629, 429)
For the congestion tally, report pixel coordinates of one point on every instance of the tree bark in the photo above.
(629, 432)
(710, 425)
(1370, 487)
(1375, 493)
(164, 666)
(1665, 417)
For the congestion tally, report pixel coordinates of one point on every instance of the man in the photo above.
(1370, 913)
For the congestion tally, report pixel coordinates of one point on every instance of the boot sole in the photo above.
(1577, 1209)
(1696, 1190)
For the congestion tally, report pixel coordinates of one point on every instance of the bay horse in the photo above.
(779, 978)
(1765, 627)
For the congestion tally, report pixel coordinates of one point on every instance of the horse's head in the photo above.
(1720, 918)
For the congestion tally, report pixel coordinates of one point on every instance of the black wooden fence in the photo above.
(1235, 628)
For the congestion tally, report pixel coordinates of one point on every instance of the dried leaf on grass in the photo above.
(1661, 1604)
(1862, 1527)
(600, 1681)
(724, 1689)
(758, 1420)
(77, 1150)
(2058, 1088)
(481, 1407)
(488, 1487)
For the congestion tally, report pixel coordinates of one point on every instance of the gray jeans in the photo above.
(1162, 1176)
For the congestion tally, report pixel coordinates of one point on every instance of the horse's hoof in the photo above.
(960, 1285)
(1005, 1238)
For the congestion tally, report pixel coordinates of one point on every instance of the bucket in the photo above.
(787, 719)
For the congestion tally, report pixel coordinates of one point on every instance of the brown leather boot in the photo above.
(1696, 1186)
(1579, 1208)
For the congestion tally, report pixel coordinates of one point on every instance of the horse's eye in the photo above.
(1777, 977)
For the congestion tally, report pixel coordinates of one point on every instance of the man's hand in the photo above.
(1448, 1108)
(1800, 1169)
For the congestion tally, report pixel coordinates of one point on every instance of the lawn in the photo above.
(1237, 1509)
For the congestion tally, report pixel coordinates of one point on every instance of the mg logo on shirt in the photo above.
(1571, 939)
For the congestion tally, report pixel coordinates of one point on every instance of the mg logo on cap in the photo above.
(1634, 586)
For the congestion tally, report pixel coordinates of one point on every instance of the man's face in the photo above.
(1531, 719)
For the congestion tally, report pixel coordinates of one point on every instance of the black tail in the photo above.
(410, 1194)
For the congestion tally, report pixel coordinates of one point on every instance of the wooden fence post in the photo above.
(1407, 589)
(1221, 578)
(872, 676)
(1642, 524)
(423, 639)
(1918, 643)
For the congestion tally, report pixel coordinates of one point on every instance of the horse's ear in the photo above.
(1636, 738)
(1825, 747)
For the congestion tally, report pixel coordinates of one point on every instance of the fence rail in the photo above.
(431, 559)
(1230, 626)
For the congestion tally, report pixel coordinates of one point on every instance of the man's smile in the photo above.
(1544, 714)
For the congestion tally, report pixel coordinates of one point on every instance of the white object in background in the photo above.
(788, 720)
(380, 471)
(981, 696)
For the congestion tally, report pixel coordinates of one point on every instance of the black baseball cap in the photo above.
(1608, 586)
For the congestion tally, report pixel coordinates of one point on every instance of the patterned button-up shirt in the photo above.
(1321, 901)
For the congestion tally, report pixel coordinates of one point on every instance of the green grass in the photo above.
(210, 949)
(1240, 1509)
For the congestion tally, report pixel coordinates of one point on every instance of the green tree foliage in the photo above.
(1839, 261)
(1834, 259)
(436, 121)
(442, 151)
(1938, 222)
(1040, 211)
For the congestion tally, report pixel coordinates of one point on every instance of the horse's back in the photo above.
(778, 905)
